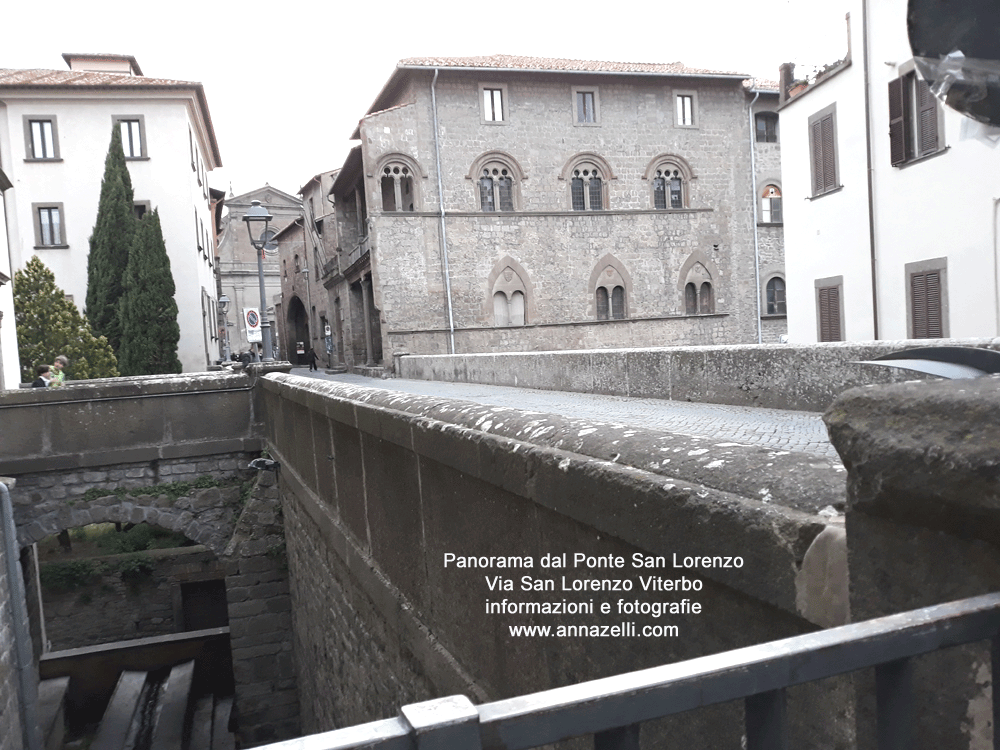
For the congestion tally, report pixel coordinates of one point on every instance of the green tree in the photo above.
(48, 325)
(148, 311)
(114, 230)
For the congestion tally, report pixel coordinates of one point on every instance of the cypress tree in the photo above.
(48, 325)
(148, 311)
(110, 242)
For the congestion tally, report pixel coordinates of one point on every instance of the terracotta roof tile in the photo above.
(514, 62)
(762, 84)
(42, 77)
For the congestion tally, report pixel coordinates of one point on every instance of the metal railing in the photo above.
(613, 708)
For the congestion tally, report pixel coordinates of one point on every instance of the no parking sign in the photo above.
(252, 319)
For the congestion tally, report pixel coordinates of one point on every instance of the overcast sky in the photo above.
(287, 89)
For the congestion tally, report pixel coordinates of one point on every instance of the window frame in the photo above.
(922, 268)
(767, 117)
(29, 141)
(770, 205)
(504, 104)
(675, 102)
(141, 120)
(781, 308)
(821, 285)
(594, 91)
(908, 126)
(826, 179)
(36, 212)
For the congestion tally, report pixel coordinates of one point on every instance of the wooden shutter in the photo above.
(925, 298)
(927, 119)
(829, 154)
(829, 314)
(817, 156)
(824, 155)
(897, 121)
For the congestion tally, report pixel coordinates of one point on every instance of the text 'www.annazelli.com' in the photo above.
(619, 630)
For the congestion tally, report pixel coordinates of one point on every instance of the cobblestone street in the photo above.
(771, 428)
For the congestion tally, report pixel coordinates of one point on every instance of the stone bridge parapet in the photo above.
(805, 377)
(378, 486)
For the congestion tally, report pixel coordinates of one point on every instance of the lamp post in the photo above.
(223, 303)
(257, 219)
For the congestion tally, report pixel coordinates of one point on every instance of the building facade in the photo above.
(239, 280)
(891, 230)
(55, 127)
(501, 203)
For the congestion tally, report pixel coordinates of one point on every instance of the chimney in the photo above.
(786, 74)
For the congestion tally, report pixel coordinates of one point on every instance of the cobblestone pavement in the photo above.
(798, 431)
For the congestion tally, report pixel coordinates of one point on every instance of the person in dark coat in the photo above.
(42, 377)
(311, 357)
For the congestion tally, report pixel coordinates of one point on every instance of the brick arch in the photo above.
(209, 519)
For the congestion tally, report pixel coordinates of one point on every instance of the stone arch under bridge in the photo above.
(206, 515)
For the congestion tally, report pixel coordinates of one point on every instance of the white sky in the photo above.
(288, 82)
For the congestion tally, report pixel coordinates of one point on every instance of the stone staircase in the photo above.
(148, 711)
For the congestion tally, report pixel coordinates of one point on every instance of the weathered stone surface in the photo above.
(922, 528)
(781, 376)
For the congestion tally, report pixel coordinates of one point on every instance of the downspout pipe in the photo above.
(23, 656)
(444, 234)
(756, 240)
(871, 171)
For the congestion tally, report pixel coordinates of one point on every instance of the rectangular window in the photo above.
(133, 133)
(829, 309)
(585, 107)
(42, 143)
(823, 150)
(927, 299)
(493, 105)
(41, 137)
(49, 229)
(914, 120)
(141, 208)
(684, 110)
(767, 127)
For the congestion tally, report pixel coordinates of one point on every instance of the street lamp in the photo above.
(257, 219)
(223, 305)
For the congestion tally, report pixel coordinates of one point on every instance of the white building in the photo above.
(55, 127)
(890, 198)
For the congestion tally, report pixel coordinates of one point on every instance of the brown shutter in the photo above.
(817, 156)
(925, 297)
(897, 121)
(927, 123)
(829, 313)
(829, 155)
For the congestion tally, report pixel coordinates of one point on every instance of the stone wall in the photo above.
(10, 717)
(782, 376)
(378, 487)
(260, 620)
(127, 421)
(113, 607)
(922, 522)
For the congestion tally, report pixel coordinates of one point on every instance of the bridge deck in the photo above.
(798, 431)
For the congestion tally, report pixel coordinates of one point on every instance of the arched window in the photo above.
(587, 188)
(498, 178)
(496, 188)
(610, 295)
(770, 205)
(397, 188)
(699, 297)
(588, 175)
(775, 296)
(509, 299)
(670, 177)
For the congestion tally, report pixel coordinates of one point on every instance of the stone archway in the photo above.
(297, 325)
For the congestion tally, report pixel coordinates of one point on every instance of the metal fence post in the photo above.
(450, 723)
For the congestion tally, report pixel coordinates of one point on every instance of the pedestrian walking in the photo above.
(311, 357)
